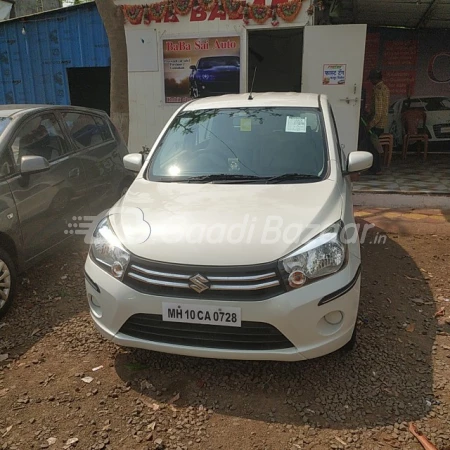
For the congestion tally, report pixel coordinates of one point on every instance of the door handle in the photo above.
(74, 173)
(348, 100)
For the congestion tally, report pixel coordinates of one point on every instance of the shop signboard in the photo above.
(334, 74)
(200, 67)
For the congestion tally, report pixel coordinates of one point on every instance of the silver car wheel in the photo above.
(5, 283)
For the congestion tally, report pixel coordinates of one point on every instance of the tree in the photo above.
(113, 21)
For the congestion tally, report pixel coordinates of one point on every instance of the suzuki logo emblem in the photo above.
(199, 283)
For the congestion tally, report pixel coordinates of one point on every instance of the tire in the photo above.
(194, 91)
(124, 188)
(351, 344)
(8, 282)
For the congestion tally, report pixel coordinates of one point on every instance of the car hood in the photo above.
(438, 117)
(222, 224)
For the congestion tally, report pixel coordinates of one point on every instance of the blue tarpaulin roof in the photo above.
(35, 52)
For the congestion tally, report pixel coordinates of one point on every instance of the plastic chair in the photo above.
(411, 119)
(387, 142)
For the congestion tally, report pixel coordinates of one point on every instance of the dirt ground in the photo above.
(50, 397)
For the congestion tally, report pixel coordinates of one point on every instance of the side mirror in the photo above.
(193, 67)
(33, 164)
(359, 161)
(133, 161)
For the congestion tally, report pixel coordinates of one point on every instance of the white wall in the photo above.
(148, 112)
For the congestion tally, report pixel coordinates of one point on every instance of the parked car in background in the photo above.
(438, 117)
(58, 165)
(242, 242)
(215, 75)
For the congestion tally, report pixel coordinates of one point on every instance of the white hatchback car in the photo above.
(437, 111)
(237, 238)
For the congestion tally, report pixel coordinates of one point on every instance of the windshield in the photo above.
(430, 104)
(4, 122)
(256, 143)
(209, 63)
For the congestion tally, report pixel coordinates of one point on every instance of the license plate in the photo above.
(209, 315)
(445, 130)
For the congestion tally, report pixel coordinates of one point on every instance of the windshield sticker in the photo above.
(233, 164)
(295, 124)
(246, 124)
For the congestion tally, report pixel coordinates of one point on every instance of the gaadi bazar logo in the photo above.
(432, 69)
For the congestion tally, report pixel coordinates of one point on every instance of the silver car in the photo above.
(58, 165)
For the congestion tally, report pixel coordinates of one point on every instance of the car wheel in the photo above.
(8, 280)
(194, 91)
(351, 344)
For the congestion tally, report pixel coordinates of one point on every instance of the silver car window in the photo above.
(40, 136)
(4, 122)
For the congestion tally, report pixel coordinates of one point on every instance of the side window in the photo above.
(39, 136)
(87, 130)
(6, 163)
(104, 129)
(336, 139)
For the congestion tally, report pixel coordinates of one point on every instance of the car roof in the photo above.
(12, 110)
(425, 97)
(220, 56)
(260, 100)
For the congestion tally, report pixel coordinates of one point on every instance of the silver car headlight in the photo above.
(107, 250)
(321, 256)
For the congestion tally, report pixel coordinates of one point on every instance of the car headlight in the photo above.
(321, 256)
(107, 250)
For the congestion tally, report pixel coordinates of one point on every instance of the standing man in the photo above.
(380, 107)
(366, 138)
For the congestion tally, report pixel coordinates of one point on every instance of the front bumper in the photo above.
(436, 134)
(296, 314)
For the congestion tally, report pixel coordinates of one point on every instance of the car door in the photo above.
(47, 202)
(101, 151)
(9, 222)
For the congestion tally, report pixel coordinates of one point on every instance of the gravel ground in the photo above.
(51, 398)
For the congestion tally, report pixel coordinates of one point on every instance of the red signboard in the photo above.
(372, 53)
(400, 82)
(400, 53)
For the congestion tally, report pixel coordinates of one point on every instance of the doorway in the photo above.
(89, 87)
(277, 56)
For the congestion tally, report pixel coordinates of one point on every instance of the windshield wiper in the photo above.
(292, 177)
(232, 178)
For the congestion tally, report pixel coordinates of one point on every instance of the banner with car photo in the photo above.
(416, 69)
(200, 67)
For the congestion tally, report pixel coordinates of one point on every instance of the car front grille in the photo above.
(234, 283)
(250, 336)
(438, 131)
